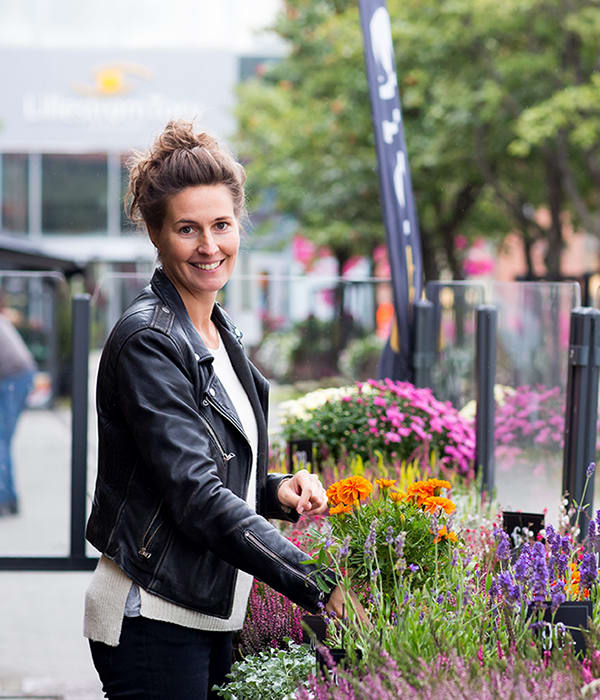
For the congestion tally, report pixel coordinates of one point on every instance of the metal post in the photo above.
(424, 351)
(581, 405)
(485, 367)
(79, 412)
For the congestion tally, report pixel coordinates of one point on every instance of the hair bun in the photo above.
(177, 159)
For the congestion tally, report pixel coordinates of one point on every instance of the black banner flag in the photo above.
(399, 214)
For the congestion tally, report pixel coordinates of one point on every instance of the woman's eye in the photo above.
(222, 225)
(186, 230)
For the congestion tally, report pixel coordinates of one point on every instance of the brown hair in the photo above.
(177, 159)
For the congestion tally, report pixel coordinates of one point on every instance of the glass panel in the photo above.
(35, 438)
(453, 375)
(531, 379)
(14, 192)
(74, 193)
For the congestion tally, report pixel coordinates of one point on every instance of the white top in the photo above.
(110, 588)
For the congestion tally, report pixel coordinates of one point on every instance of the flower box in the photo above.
(514, 522)
(571, 617)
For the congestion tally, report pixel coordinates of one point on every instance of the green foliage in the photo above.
(501, 110)
(273, 674)
(395, 419)
(360, 358)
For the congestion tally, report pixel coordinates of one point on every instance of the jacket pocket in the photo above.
(150, 533)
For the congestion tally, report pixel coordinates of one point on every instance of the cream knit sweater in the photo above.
(109, 588)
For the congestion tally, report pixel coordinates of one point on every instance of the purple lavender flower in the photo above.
(523, 564)
(588, 570)
(557, 595)
(370, 540)
(440, 599)
(540, 574)
(511, 592)
(590, 470)
(399, 544)
(413, 567)
(389, 537)
(345, 548)
(374, 574)
(593, 536)
(562, 562)
(502, 545)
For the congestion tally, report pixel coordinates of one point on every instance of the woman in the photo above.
(182, 474)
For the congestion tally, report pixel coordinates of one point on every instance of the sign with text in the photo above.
(399, 211)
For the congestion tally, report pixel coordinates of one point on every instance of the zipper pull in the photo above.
(143, 552)
(228, 457)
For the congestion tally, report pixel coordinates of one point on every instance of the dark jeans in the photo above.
(161, 661)
(13, 395)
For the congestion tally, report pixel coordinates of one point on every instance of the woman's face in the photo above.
(199, 240)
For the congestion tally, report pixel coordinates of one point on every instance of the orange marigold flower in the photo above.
(385, 483)
(398, 496)
(332, 494)
(340, 509)
(432, 503)
(437, 484)
(352, 489)
(443, 532)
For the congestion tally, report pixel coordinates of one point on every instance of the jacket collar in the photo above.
(165, 290)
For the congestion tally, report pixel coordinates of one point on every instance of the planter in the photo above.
(569, 619)
(301, 451)
(514, 522)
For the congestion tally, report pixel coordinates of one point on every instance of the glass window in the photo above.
(74, 193)
(14, 192)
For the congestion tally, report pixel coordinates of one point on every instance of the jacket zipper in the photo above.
(226, 456)
(207, 402)
(251, 537)
(219, 410)
(143, 550)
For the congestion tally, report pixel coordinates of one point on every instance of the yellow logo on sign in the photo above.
(114, 79)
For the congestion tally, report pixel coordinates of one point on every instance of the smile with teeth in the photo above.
(207, 266)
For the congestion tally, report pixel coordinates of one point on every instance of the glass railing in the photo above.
(35, 430)
(530, 382)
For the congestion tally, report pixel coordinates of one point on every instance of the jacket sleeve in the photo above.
(273, 508)
(156, 395)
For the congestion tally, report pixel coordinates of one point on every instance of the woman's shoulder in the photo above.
(147, 313)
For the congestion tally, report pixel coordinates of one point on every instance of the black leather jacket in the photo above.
(174, 464)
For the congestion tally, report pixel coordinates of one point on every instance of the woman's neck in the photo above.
(199, 308)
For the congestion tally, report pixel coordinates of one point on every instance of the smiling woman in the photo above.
(198, 245)
(182, 493)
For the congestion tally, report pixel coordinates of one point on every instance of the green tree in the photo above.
(500, 107)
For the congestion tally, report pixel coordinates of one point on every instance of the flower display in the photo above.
(395, 419)
(389, 531)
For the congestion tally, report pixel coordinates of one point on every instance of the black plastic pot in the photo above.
(572, 618)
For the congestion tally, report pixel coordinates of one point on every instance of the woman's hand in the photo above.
(337, 604)
(304, 493)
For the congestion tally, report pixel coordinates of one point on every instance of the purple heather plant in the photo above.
(271, 618)
(449, 677)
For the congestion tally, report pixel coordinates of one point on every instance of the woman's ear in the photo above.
(153, 235)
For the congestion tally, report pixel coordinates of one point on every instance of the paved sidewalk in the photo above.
(42, 649)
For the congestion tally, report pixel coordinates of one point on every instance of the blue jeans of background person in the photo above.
(13, 395)
(162, 661)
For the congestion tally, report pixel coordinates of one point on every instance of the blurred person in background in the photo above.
(16, 380)
(182, 494)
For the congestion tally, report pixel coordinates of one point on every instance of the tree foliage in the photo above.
(501, 108)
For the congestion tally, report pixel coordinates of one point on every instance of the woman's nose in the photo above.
(207, 244)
